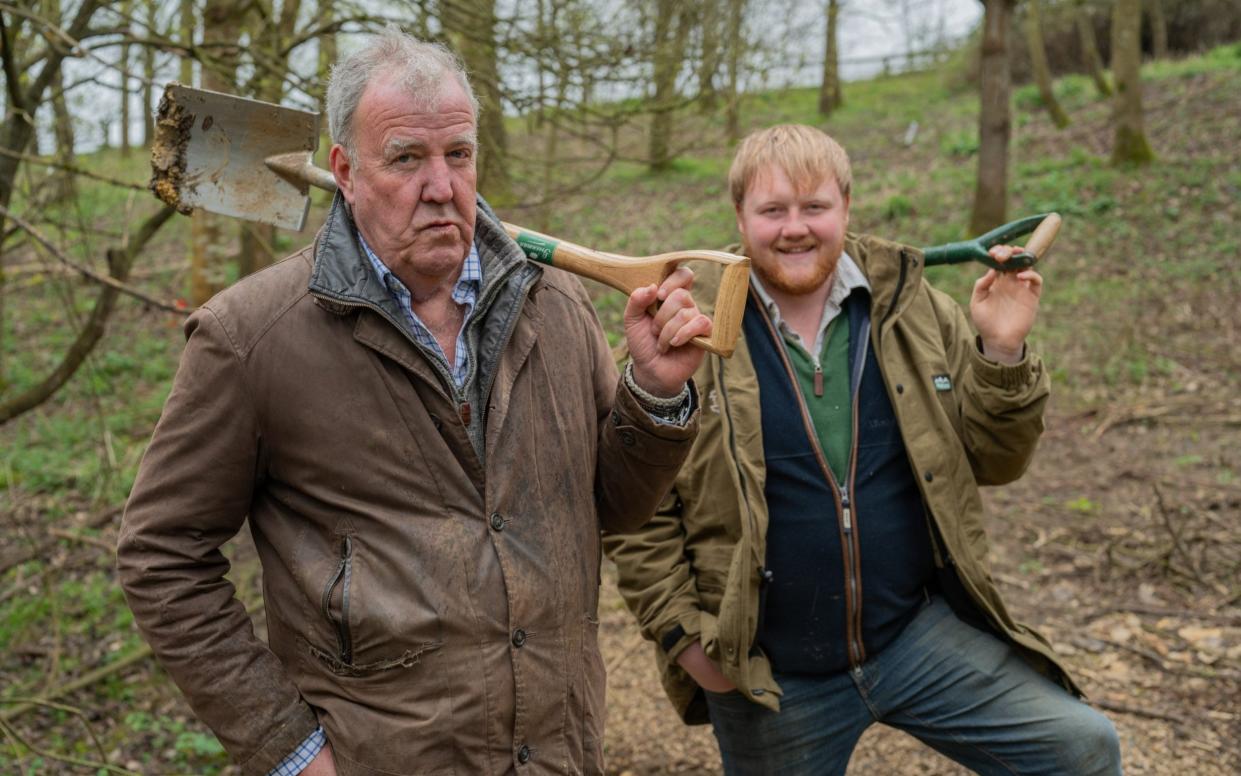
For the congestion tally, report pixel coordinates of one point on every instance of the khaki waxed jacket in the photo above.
(695, 568)
(433, 608)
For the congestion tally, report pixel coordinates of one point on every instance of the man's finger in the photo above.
(687, 324)
(677, 301)
(681, 277)
(639, 301)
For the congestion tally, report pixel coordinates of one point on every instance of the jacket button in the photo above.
(928, 476)
(519, 638)
(900, 388)
(523, 754)
(626, 438)
(615, 418)
(497, 521)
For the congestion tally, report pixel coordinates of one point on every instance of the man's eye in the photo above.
(461, 153)
(403, 158)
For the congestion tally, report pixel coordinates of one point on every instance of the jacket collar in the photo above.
(894, 272)
(343, 273)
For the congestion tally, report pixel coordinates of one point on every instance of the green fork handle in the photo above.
(1045, 227)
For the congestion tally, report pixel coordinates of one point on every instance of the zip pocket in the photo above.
(342, 577)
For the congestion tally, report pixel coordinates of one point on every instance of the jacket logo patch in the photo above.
(713, 402)
(942, 382)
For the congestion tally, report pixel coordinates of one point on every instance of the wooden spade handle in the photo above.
(626, 273)
(1040, 242)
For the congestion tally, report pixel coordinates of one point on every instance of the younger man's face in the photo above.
(793, 238)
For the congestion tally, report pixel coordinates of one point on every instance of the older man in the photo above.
(822, 563)
(427, 433)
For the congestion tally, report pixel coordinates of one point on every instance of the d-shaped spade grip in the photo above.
(1045, 228)
(626, 273)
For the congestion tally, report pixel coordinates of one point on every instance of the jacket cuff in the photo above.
(286, 739)
(657, 444)
(1009, 377)
(684, 632)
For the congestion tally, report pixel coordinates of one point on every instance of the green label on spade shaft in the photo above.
(537, 248)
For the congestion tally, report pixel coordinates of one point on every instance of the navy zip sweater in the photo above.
(803, 624)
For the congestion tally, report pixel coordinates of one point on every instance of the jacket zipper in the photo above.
(343, 575)
(850, 550)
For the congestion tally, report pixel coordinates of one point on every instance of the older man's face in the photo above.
(412, 181)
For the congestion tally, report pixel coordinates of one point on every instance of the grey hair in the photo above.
(420, 66)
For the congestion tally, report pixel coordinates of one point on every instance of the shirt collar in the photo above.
(462, 291)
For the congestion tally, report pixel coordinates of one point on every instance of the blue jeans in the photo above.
(959, 690)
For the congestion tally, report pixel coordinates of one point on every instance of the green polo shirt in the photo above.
(823, 378)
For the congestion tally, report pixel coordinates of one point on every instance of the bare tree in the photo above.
(710, 23)
(994, 118)
(736, 49)
(1090, 48)
(127, 8)
(1129, 144)
(671, 28)
(829, 92)
(1159, 28)
(1038, 63)
(470, 26)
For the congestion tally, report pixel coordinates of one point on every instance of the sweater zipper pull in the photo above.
(818, 380)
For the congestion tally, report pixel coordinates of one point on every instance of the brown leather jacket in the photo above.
(430, 603)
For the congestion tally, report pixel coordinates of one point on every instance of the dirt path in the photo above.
(1147, 620)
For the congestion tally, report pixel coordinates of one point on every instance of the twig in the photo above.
(92, 540)
(58, 165)
(85, 680)
(1177, 545)
(13, 735)
(1138, 711)
(90, 273)
(21, 556)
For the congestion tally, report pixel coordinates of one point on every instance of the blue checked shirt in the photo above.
(301, 757)
(465, 293)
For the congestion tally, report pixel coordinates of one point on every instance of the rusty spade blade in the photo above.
(253, 160)
(211, 152)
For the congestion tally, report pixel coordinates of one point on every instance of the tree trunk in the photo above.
(208, 251)
(709, 64)
(188, 23)
(258, 241)
(1038, 62)
(127, 8)
(471, 27)
(1159, 29)
(671, 26)
(736, 46)
(1129, 146)
(1090, 49)
(829, 92)
(148, 72)
(994, 119)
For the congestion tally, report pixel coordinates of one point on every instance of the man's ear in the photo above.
(342, 169)
(740, 222)
(847, 199)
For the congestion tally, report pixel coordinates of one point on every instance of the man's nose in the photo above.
(437, 186)
(794, 225)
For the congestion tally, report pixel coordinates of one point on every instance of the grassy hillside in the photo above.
(1140, 315)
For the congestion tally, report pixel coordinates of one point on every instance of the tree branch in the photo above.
(119, 262)
(145, 233)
